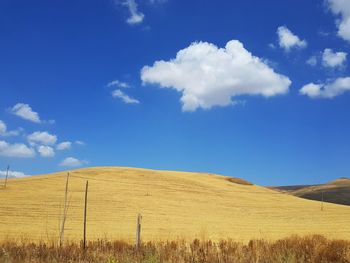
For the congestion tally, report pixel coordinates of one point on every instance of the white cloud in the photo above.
(136, 16)
(287, 40)
(4, 132)
(72, 162)
(64, 146)
(118, 84)
(46, 151)
(25, 112)
(327, 90)
(272, 46)
(341, 8)
(12, 174)
(209, 76)
(79, 142)
(312, 90)
(42, 138)
(124, 97)
(19, 150)
(3, 127)
(312, 61)
(333, 59)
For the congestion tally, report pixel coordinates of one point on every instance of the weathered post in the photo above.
(65, 210)
(138, 231)
(7, 174)
(322, 202)
(85, 209)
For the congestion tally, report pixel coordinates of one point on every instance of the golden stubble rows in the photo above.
(174, 205)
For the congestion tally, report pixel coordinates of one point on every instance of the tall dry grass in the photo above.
(313, 249)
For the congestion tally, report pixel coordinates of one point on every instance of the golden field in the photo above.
(174, 205)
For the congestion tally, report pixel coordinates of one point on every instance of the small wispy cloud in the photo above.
(136, 17)
(312, 61)
(18, 150)
(124, 97)
(42, 138)
(79, 142)
(326, 90)
(72, 162)
(288, 40)
(26, 112)
(272, 46)
(333, 59)
(64, 146)
(6, 133)
(46, 151)
(329, 59)
(118, 84)
(12, 174)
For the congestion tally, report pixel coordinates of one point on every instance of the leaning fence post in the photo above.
(85, 208)
(138, 231)
(7, 174)
(65, 210)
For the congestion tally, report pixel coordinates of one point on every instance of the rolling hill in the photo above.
(173, 205)
(337, 191)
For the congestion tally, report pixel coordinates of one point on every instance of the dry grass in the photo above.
(312, 249)
(174, 205)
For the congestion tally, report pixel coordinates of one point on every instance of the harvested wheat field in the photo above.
(174, 205)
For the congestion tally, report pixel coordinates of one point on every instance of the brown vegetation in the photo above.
(313, 249)
(238, 181)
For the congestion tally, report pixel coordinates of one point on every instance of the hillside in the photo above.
(173, 205)
(337, 191)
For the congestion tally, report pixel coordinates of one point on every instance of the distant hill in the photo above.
(172, 204)
(337, 191)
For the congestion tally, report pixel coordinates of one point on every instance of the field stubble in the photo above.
(174, 205)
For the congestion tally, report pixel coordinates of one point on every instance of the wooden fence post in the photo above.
(322, 202)
(65, 210)
(7, 174)
(138, 231)
(85, 208)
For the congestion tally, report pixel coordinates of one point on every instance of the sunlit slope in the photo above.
(173, 205)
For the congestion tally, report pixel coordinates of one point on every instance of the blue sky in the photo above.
(253, 89)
